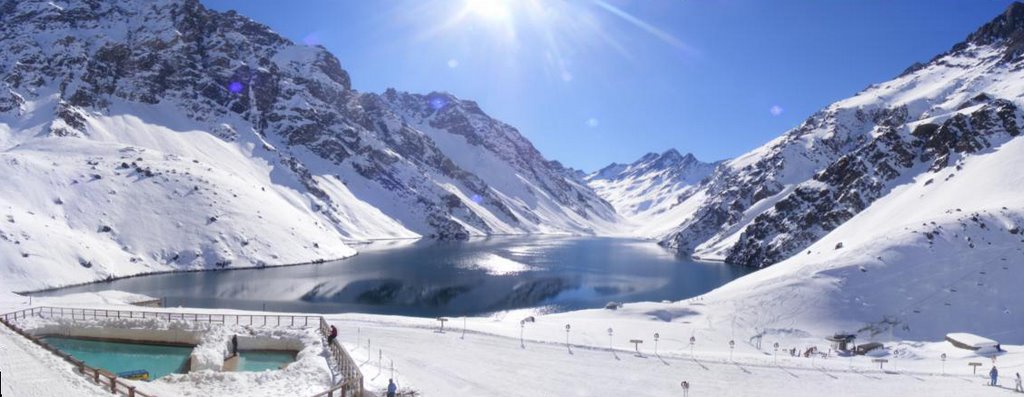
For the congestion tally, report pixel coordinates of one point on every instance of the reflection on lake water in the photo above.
(431, 278)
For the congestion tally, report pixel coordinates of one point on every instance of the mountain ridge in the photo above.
(238, 130)
(768, 204)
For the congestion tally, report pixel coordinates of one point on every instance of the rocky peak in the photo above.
(1007, 28)
(227, 74)
(671, 161)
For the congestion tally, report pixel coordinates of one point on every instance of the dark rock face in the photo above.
(297, 101)
(1006, 29)
(731, 192)
(852, 183)
(788, 194)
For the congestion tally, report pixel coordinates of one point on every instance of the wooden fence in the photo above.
(101, 377)
(352, 385)
(258, 320)
(352, 378)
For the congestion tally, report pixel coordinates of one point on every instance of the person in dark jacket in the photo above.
(234, 345)
(333, 335)
(392, 388)
(994, 374)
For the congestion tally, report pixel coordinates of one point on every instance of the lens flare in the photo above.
(236, 87)
(438, 102)
(489, 9)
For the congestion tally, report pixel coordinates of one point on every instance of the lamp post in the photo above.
(610, 339)
(692, 341)
(656, 336)
(943, 358)
(567, 327)
(732, 345)
(776, 359)
(522, 325)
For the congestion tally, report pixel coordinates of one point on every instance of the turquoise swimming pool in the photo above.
(262, 360)
(117, 357)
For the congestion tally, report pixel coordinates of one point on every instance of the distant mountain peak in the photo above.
(651, 185)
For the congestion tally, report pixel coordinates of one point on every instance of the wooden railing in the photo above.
(352, 384)
(101, 377)
(225, 319)
(352, 378)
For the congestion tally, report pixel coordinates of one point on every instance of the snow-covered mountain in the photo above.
(646, 191)
(894, 214)
(924, 127)
(157, 135)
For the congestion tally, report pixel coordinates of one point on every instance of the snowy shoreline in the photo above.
(159, 272)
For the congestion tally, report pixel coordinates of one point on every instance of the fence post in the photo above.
(131, 391)
(113, 385)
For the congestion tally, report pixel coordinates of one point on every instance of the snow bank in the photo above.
(309, 374)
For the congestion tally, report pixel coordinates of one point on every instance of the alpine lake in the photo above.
(428, 278)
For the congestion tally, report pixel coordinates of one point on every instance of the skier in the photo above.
(392, 388)
(994, 374)
(1018, 387)
(333, 335)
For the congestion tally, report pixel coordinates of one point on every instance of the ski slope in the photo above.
(436, 364)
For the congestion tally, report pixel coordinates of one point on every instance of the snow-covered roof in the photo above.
(971, 340)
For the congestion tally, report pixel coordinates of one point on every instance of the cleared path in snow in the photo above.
(29, 370)
(436, 364)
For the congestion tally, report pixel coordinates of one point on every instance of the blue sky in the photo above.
(591, 82)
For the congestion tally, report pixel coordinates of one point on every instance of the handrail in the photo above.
(76, 313)
(349, 369)
(101, 377)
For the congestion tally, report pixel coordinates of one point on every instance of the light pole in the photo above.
(522, 325)
(692, 341)
(567, 327)
(732, 345)
(610, 339)
(656, 336)
(943, 358)
(776, 359)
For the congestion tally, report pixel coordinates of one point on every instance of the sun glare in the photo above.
(489, 9)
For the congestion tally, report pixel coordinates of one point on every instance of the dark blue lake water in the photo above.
(429, 278)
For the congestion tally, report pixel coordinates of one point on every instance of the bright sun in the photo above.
(495, 10)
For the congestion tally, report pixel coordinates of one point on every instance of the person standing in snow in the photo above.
(234, 345)
(994, 374)
(1018, 387)
(333, 335)
(392, 388)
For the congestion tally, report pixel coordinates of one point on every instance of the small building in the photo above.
(842, 342)
(968, 341)
(867, 348)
